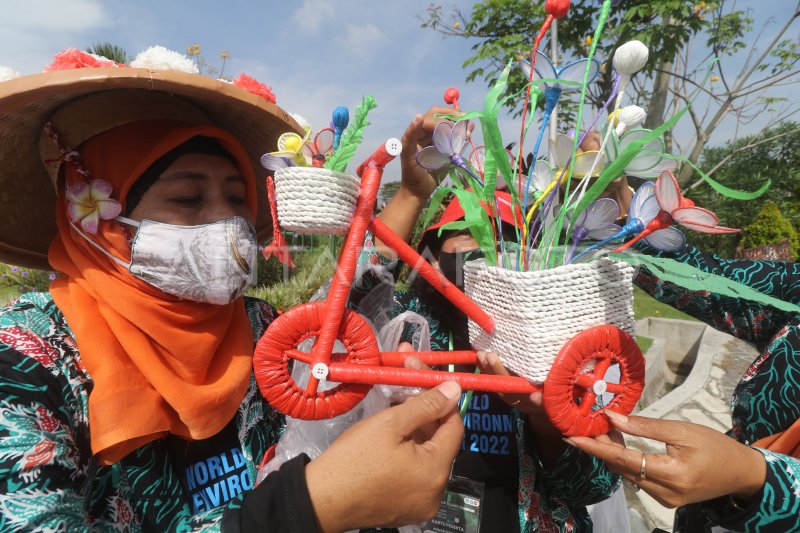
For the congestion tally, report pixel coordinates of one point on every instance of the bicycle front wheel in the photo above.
(273, 365)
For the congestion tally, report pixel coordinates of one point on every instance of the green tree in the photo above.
(770, 227)
(775, 154)
(504, 29)
(388, 190)
(109, 51)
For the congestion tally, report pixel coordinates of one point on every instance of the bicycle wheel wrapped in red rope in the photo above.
(273, 369)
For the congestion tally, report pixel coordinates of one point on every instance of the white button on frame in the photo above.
(320, 371)
(393, 147)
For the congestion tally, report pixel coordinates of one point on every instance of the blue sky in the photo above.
(316, 54)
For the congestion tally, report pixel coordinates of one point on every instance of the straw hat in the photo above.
(83, 102)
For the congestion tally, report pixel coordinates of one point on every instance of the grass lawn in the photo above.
(645, 305)
(7, 294)
(644, 343)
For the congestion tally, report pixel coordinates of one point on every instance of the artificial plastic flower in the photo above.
(254, 86)
(477, 158)
(556, 8)
(8, 73)
(449, 144)
(643, 209)
(572, 72)
(339, 121)
(318, 150)
(674, 208)
(627, 118)
(89, 203)
(649, 162)
(561, 153)
(543, 175)
(160, 58)
(74, 58)
(290, 145)
(630, 58)
(596, 222)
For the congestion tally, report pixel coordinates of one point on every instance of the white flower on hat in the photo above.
(160, 58)
(8, 73)
(631, 57)
(301, 121)
(627, 118)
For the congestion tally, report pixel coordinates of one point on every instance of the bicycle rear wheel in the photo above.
(578, 381)
(272, 365)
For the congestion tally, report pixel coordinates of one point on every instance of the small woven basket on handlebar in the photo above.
(535, 313)
(315, 200)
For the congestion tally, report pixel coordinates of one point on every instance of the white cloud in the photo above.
(363, 39)
(50, 15)
(34, 30)
(310, 16)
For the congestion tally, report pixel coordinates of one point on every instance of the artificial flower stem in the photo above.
(542, 32)
(601, 22)
(551, 95)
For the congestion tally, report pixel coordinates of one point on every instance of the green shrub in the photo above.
(770, 227)
(314, 267)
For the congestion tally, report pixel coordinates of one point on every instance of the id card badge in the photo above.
(460, 510)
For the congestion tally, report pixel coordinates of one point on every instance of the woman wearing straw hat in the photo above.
(127, 399)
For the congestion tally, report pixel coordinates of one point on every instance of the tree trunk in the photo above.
(658, 102)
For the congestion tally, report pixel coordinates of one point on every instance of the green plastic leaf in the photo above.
(352, 136)
(492, 138)
(489, 174)
(436, 201)
(722, 189)
(477, 221)
(695, 279)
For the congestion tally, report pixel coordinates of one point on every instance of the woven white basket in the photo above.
(315, 200)
(535, 313)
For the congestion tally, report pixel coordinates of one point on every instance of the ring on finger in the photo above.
(642, 472)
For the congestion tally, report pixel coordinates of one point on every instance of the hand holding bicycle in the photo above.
(412, 444)
(699, 464)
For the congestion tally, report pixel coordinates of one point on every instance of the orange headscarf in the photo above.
(786, 442)
(159, 364)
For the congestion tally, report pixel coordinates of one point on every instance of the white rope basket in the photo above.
(315, 200)
(535, 313)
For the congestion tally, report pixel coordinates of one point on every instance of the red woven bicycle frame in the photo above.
(346, 267)
(372, 375)
(432, 276)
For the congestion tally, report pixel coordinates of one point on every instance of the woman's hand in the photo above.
(530, 404)
(386, 471)
(700, 463)
(416, 183)
(547, 439)
(415, 180)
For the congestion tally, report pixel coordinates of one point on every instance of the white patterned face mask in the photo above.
(212, 263)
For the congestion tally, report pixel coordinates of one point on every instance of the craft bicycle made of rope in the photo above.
(572, 387)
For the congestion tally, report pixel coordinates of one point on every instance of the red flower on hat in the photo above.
(254, 86)
(74, 58)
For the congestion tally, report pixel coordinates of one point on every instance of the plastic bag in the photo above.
(611, 515)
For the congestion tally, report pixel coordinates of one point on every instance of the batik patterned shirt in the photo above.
(767, 399)
(49, 478)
